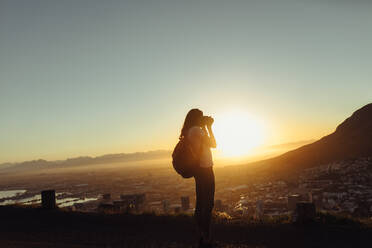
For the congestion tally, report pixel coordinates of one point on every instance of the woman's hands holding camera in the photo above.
(208, 121)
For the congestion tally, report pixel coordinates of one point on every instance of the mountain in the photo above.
(86, 160)
(351, 139)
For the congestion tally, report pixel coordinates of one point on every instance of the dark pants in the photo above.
(204, 181)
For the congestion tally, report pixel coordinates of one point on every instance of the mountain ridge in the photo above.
(354, 134)
(351, 139)
(85, 160)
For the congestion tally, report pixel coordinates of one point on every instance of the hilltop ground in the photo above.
(34, 227)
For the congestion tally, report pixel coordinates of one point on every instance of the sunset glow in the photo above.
(89, 78)
(237, 133)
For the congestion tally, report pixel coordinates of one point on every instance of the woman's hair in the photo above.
(193, 118)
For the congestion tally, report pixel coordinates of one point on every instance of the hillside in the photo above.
(34, 227)
(351, 139)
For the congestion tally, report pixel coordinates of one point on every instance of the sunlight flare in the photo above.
(237, 133)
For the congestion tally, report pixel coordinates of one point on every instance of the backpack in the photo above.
(184, 160)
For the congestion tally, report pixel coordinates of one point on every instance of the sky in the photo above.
(95, 77)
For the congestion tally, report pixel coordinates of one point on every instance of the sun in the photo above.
(237, 133)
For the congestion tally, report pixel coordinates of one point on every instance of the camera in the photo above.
(207, 120)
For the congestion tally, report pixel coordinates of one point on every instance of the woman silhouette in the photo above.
(197, 129)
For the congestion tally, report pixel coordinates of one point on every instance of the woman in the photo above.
(198, 130)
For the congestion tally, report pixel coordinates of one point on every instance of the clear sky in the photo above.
(94, 77)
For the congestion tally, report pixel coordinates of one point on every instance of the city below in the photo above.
(241, 192)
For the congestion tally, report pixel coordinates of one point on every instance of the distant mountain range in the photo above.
(86, 160)
(351, 139)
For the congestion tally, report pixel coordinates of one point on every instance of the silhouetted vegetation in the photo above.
(31, 225)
